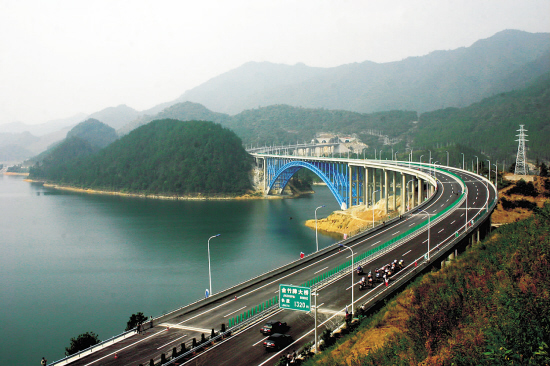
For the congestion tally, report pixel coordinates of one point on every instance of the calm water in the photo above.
(72, 263)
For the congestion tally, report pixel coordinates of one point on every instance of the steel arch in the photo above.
(335, 175)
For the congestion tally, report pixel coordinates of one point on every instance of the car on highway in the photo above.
(274, 326)
(277, 341)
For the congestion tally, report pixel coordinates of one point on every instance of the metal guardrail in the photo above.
(338, 272)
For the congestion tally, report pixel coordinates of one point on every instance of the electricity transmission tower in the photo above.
(521, 161)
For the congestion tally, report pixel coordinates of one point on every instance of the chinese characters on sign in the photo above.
(294, 297)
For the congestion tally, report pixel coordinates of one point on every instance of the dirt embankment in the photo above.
(351, 220)
(503, 216)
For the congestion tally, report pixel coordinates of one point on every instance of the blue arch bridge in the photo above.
(352, 182)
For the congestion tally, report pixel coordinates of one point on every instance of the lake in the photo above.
(74, 262)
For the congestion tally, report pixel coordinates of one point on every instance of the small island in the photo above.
(163, 159)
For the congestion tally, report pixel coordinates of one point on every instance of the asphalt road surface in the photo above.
(246, 347)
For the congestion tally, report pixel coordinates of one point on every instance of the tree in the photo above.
(81, 342)
(543, 170)
(135, 319)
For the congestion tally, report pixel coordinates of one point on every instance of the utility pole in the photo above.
(521, 159)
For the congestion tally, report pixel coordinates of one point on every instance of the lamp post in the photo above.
(430, 156)
(373, 198)
(316, 240)
(489, 169)
(395, 156)
(477, 164)
(428, 232)
(434, 166)
(209, 272)
(447, 157)
(421, 158)
(374, 153)
(462, 161)
(380, 155)
(345, 246)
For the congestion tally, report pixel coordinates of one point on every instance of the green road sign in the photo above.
(294, 297)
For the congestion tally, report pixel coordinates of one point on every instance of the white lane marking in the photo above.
(177, 326)
(453, 222)
(461, 215)
(406, 253)
(355, 283)
(313, 264)
(128, 346)
(397, 232)
(261, 340)
(424, 241)
(412, 224)
(440, 231)
(177, 339)
(320, 270)
(227, 339)
(233, 312)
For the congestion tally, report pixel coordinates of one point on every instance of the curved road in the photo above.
(246, 347)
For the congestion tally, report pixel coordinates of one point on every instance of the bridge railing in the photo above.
(364, 257)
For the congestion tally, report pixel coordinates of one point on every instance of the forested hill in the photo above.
(491, 124)
(165, 157)
(284, 124)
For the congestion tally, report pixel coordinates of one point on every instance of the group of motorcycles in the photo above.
(382, 274)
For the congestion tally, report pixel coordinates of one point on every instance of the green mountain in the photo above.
(167, 157)
(116, 117)
(284, 124)
(491, 124)
(456, 78)
(95, 132)
(54, 163)
(182, 111)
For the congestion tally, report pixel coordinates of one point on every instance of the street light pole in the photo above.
(462, 161)
(477, 164)
(316, 240)
(209, 272)
(428, 232)
(447, 157)
(489, 169)
(352, 283)
(430, 156)
(421, 158)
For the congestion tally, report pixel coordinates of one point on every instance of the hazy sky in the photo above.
(59, 58)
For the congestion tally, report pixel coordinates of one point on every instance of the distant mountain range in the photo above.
(507, 61)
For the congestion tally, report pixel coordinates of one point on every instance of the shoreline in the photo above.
(12, 173)
(248, 196)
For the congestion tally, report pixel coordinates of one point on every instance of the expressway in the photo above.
(245, 347)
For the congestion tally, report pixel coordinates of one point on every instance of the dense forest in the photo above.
(283, 124)
(490, 125)
(166, 157)
(490, 307)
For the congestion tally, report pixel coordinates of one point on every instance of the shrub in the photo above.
(82, 342)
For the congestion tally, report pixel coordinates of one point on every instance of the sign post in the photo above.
(294, 298)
